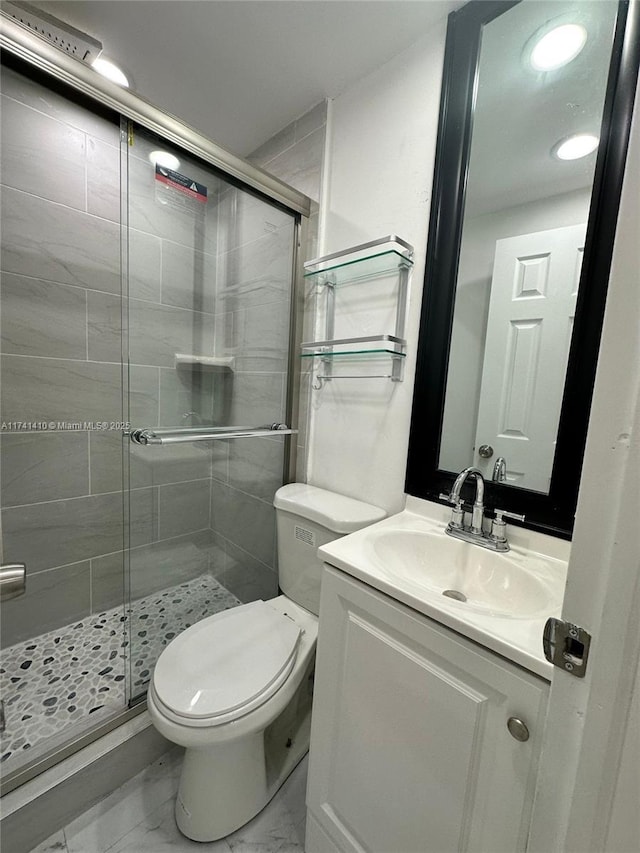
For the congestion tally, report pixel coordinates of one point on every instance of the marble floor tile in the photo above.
(139, 817)
(111, 820)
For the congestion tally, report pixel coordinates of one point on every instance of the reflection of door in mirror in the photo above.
(531, 310)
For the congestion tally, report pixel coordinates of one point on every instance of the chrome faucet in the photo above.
(500, 470)
(496, 540)
(477, 513)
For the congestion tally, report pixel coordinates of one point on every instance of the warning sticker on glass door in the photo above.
(182, 183)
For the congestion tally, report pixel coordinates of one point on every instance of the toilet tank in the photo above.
(306, 518)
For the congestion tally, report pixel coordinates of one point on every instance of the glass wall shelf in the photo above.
(361, 269)
(385, 264)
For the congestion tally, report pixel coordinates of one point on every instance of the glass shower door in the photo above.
(209, 337)
(62, 669)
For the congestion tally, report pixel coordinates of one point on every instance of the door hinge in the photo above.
(566, 645)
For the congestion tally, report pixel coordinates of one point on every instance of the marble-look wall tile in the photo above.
(168, 562)
(42, 318)
(52, 599)
(189, 398)
(168, 213)
(256, 273)
(244, 576)
(256, 466)
(109, 584)
(51, 534)
(145, 265)
(144, 396)
(258, 398)
(312, 120)
(142, 521)
(43, 466)
(260, 339)
(43, 389)
(188, 278)
(104, 326)
(58, 174)
(148, 465)
(247, 219)
(158, 332)
(44, 100)
(244, 520)
(44, 240)
(278, 143)
(184, 508)
(103, 179)
(106, 450)
(151, 568)
(298, 166)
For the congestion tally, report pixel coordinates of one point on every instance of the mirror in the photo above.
(528, 173)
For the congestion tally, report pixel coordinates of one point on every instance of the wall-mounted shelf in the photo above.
(379, 308)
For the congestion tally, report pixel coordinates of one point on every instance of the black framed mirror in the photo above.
(520, 243)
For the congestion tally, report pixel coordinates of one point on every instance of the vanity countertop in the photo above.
(541, 559)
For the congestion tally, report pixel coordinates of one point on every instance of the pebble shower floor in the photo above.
(63, 681)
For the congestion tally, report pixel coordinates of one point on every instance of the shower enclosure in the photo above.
(148, 390)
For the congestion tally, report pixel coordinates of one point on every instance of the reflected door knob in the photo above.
(486, 451)
(517, 729)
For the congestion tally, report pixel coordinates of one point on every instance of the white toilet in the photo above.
(235, 689)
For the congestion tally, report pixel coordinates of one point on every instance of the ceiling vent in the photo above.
(62, 35)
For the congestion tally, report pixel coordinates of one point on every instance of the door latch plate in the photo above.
(567, 646)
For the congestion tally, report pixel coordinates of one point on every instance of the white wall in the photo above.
(378, 175)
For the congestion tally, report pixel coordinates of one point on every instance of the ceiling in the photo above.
(521, 113)
(241, 70)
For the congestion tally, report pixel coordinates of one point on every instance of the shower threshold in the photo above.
(58, 685)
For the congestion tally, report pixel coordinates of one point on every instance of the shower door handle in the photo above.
(13, 580)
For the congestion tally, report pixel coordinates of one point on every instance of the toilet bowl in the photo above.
(235, 689)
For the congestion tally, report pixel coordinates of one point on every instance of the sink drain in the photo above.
(454, 593)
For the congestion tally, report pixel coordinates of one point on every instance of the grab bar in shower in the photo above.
(181, 436)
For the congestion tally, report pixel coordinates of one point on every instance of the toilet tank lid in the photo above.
(335, 512)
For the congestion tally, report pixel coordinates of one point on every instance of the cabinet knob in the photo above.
(517, 729)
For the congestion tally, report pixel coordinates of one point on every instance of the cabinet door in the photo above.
(410, 751)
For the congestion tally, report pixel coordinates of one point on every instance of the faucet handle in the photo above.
(502, 513)
(457, 513)
(499, 527)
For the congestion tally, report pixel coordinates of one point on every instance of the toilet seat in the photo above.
(226, 665)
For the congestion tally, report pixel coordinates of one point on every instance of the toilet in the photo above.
(235, 689)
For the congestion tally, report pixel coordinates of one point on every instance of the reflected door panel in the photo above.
(531, 311)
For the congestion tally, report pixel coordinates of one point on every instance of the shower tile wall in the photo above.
(61, 361)
(253, 304)
(296, 155)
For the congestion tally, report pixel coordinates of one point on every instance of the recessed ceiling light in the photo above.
(111, 71)
(576, 146)
(164, 158)
(557, 47)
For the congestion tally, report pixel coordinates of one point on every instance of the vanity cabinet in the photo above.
(410, 749)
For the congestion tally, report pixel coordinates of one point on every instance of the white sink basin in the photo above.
(463, 575)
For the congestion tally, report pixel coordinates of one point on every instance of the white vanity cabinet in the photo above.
(410, 749)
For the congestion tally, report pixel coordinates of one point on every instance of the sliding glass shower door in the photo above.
(210, 270)
(62, 667)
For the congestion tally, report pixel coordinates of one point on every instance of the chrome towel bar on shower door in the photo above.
(180, 436)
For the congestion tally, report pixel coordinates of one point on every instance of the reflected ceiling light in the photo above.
(576, 146)
(164, 158)
(557, 47)
(111, 71)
